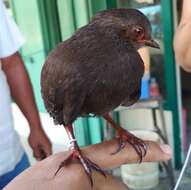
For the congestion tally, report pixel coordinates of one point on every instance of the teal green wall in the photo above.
(27, 17)
(170, 76)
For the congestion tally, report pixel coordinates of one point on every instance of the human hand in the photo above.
(39, 143)
(42, 175)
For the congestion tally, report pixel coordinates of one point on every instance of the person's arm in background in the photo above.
(11, 40)
(182, 38)
(42, 176)
(21, 91)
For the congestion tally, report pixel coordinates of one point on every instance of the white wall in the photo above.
(56, 133)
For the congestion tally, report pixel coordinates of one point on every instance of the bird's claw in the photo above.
(87, 164)
(139, 145)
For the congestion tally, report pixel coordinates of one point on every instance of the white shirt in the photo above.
(11, 150)
(10, 37)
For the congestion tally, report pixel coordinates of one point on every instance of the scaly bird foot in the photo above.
(125, 137)
(87, 164)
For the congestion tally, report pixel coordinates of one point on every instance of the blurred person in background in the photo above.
(15, 83)
(182, 38)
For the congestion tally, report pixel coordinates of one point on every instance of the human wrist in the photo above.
(35, 127)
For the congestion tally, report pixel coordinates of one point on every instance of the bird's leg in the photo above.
(124, 136)
(76, 154)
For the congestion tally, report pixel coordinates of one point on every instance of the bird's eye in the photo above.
(138, 32)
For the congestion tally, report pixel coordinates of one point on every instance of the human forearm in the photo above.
(186, 11)
(182, 38)
(22, 93)
(42, 175)
(100, 152)
(182, 46)
(21, 89)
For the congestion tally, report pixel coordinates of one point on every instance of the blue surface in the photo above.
(145, 88)
(21, 166)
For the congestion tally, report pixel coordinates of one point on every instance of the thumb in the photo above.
(48, 149)
(38, 152)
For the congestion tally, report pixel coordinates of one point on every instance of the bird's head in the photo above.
(129, 24)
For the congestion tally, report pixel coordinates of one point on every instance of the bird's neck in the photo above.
(108, 33)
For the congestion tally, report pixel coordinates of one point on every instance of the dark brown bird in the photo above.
(96, 70)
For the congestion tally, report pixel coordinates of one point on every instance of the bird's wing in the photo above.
(85, 67)
(117, 81)
(134, 96)
(63, 87)
(71, 95)
(135, 72)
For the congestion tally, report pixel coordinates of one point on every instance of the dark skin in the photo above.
(21, 91)
(72, 177)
